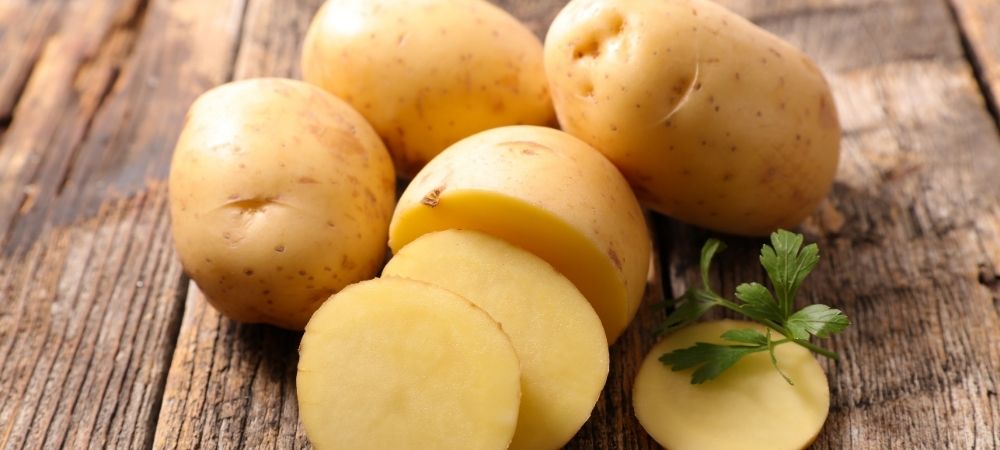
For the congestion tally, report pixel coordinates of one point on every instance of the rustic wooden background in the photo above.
(104, 344)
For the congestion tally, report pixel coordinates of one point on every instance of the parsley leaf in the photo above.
(818, 320)
(758, 304)
(745, 336)
(710, 360)
(787, 263)
(688, 309)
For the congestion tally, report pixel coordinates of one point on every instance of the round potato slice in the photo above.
(280, 195)
(750, 406)
(714, 121)
(396, 363)
(427, 73)
(547, 192)
(558, 337)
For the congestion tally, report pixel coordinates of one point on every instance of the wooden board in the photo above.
(979, 21)
(102, 343)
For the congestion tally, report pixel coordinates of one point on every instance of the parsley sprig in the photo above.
(787, 264)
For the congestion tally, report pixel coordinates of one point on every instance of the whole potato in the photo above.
(713, 120)
(280, 195)
(427, 73)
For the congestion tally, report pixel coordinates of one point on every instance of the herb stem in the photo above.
(817, 349)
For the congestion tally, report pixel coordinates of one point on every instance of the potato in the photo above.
(427, 73)
(280, 195)
(547, 192)
(713, 120)
(396, 364)
(750, 406)
(556, 334)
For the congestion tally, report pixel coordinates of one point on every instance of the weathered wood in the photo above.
(90, 284)
(91, 296)
(911, 234)
(979, 22)
(232, 385)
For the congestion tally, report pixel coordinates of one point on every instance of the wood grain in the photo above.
(232, 385)
(979, 22)
(103, 345)
(910, 234)
(90, 283)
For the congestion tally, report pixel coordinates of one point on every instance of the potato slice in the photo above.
(395, 363)
(750, 406)
(545, 191)
(558, 337)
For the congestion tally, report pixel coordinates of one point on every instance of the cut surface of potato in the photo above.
(401, 364)
(556, 334)
(749, 406)
(547, 192)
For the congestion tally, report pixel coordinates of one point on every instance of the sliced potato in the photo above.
(557, 335)
(545, 191)
(750, 406)
(397, 364)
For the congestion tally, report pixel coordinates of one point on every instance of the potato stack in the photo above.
(520, 252)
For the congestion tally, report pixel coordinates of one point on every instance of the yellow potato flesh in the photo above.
(556, 334)
(397, 364)
(427, 73)
(713, 120)
(546, 192)
(750, 406)
(280, 195)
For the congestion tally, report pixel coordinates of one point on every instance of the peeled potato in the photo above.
(556, 334)
(547, 192)
(750, 406)
(396, 364)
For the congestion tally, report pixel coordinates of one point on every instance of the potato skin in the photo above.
(547, 192)
(280, 195)
(713, 120)
(427, 73)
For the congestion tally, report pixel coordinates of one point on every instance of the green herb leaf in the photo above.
(708, 251)
(746, 336)
(818, 320)
(787, 264)
(710, 360)
(688, 309)
(758, 304)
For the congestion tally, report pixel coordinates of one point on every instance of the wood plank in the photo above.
(24, 27)
(891, 145)
(911, 234)
(91, 286)
(232, 385)
(979, 22)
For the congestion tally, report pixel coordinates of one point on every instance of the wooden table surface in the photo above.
(105, 344)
